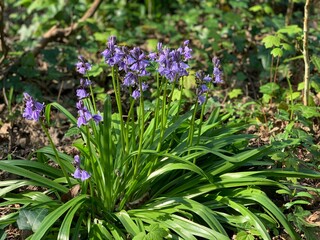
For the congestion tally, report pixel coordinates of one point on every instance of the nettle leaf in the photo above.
(95, 71)
(242, 235)
(271, 41)
(277, 52)
(31, 219)
(286, 46)
(301, 86)
(155, 233)
(235, 93)
(255, 8)
(190, 80)
(266, 98)
(278, 156)
(293, 96)
(269, 88)
(316, 61)
(291, 29)
(176, 95)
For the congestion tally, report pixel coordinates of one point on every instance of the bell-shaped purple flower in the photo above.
(130, 79)
(33, 108)
(97, 118)
(216, 70)
(85, 82)
(79, 173)
(82, 93)
(201, 99)
(82, 66)
(136, 94)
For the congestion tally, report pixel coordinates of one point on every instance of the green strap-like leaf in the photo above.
(55, 215)
(128, 223)
(41, 181)
(254, 220)
(64, 232)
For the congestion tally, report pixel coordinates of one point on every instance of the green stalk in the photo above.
(180, 99)
(93, 100)
(107, 157)
(156, 117)
(141, 126)
(130, 121)
(56, 154)
(202, 114)
(116, 86)
(192, 123)
(291, 100)
(163, 116)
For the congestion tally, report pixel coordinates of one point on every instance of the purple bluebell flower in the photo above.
(112, 41)
(202, 81)
(159, 46)
(172, 63)
(153, 56)
(84, 114)
(97, 118)
(114, 55)
(79, 173)
(203, 88)
(216, 70)
(137, 61)
(84, 175)
(82, 93)
(144, 86)
(77, 160)
(85, 82)
(82, 66)
(33, 108)
(136, 94)
(186, 50)
(130, 79)
(201, 99)
(200, 75)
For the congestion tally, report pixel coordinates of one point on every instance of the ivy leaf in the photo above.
(271, 41)
(31, 219)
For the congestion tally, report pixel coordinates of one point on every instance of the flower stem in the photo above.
(116, 86)
(56, 154)
(163, 114)
(141, 125)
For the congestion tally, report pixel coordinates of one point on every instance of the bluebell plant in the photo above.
(161, 170)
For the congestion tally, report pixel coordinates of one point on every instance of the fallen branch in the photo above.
(54, 33)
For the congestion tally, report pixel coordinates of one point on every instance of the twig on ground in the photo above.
(54, 33)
